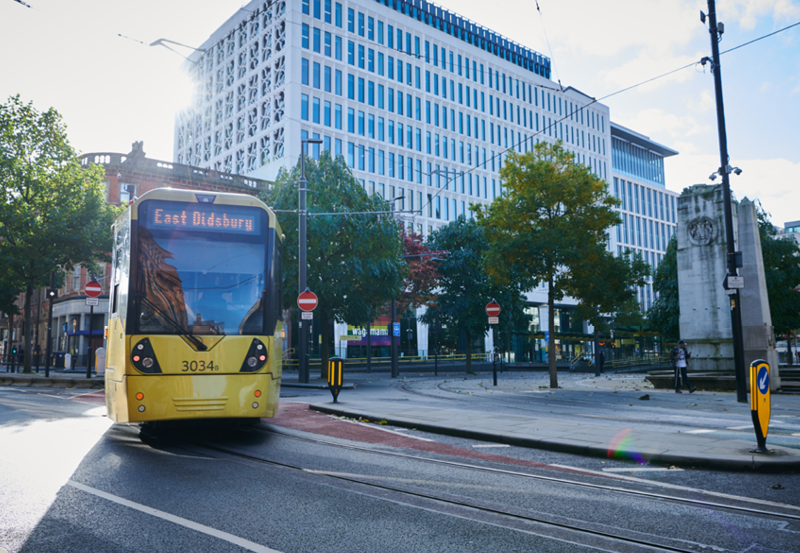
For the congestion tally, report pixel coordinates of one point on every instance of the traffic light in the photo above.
(52, 293)
(14, 350)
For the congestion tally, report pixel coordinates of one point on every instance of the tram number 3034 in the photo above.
(199, 366)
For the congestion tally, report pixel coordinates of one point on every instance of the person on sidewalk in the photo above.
(679, 356)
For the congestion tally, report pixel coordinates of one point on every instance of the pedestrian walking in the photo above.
(599, 362)
(679, 357)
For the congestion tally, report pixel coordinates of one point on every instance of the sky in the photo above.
(113, 90)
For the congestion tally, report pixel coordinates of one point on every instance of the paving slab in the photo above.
(617, 441)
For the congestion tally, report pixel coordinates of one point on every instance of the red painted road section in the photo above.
(299, 417)
(94, 398)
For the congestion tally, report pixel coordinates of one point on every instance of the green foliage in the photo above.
(782, 273)
(54, 212)
(550, 221)
(605, 284)
(664, 314)
(422, 277)
(465, 284)
(354, 261)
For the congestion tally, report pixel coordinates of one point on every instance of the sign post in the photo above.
(307, 301)
(93, 289)
(760, 403)
(493, 310)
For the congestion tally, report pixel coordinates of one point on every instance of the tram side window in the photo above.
(120, 269)
(277, 288)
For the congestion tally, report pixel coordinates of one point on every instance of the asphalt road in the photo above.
(71, 481)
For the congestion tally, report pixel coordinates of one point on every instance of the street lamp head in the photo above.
(397, 198)
(312, 141)
(712, 176)
(737, 171)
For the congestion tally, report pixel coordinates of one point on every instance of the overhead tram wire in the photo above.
(597, 100)
(549, 48)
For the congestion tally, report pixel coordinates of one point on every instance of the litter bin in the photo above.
(58, 359)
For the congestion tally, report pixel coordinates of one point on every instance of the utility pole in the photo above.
(716, 31)
(302, 340)
(393, 342)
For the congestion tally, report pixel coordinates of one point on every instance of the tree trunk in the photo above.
(551, 325)
(468, 351)
(369, 347)
(9, 355)
(324, 351)
(26, 339)
(596, 351)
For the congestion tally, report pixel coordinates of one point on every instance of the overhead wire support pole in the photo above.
(302, 341)
(724, 170)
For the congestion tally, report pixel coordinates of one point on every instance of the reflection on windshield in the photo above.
(203, 286)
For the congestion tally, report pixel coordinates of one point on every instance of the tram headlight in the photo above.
(255, 358)
(144, 358)
(255, 405)
(141, 408)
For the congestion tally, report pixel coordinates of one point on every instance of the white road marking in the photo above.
(684, 488)
(376, 427)
(491, 445)
(230, 538)
(639, 469)
(743, 427)
(796, 434)
(701, 431)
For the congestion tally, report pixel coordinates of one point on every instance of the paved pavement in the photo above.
(626, 438)
(58, 378)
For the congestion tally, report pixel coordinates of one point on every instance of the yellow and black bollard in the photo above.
(335, 376)
(760, 403)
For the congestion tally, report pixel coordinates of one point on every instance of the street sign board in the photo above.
(493, 309)
(546, 336)
(396, 329)
(93, 289)
(494, 320)
(307, 301)
(735, 282)
(92, 301)
(307, 315)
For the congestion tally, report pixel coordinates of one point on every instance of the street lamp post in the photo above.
(51, 295)
(724, 171)
(303, 216)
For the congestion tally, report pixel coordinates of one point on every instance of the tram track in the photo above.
(592, 534)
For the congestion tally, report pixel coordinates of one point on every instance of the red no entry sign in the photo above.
(93, 289)
(493, 309)
(307, 301)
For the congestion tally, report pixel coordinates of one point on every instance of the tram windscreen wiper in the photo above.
(183, 332)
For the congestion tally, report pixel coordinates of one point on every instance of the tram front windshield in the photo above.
(202, 268)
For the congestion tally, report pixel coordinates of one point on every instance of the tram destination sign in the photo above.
(203, 217)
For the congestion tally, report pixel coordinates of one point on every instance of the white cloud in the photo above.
(748, 12)
(775, 182)
(766, 87)
(656, 121)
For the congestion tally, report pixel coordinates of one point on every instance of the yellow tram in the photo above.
(194, 327)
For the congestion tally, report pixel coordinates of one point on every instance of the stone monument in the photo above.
(757, 331)
(705, 316)
(705, 307)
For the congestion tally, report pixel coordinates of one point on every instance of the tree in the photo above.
(354, 261)
(553, 212)
(665, 312)
(54, 213)
(605, 284)
(422, 277)
(782, 273)
(465, 284)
